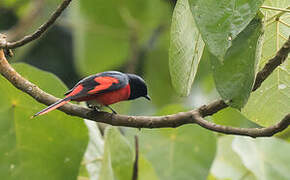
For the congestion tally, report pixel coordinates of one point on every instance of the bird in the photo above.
(103, 89)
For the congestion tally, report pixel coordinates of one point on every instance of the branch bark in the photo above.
(191, 117)
(39, 31)
(272, 64)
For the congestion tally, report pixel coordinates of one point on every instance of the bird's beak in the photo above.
(147, 97)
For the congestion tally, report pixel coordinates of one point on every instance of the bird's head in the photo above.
(138, 87)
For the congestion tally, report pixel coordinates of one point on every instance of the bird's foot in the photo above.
(94, 107)
(113, 111)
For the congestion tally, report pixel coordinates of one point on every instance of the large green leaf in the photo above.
(233, 117)
(95, 150)
(47, 147)
(179, 153)
(220, 22)
(118, 159)
(271, 102)
(186, 47)
(266, 158)
(227, 163)
(182, 153)
(104, 29)
(146, 170)
(234, 77)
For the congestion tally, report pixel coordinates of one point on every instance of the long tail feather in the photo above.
(52, 107)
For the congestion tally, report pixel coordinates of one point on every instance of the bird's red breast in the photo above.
(108, 97)
(114, 96)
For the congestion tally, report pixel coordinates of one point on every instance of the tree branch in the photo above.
(18, 30)
(272, 64)
(175, 120)
(39, 31)
(252, 132)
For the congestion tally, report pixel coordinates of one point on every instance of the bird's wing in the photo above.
(99, 83)
(95, 84)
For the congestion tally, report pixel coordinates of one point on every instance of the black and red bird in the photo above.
(104, 88)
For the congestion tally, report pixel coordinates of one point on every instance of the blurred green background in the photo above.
(132, 36)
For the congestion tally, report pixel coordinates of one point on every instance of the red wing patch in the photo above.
(78, 89)
(105, 83)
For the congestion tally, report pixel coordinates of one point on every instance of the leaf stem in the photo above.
(135, 168)
(276, 9)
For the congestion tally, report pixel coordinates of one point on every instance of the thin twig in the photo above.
(277, 16)
(252, 132)
(276, 9)
(39, 31)
(272, 64)
(35, 8)
(135, 168)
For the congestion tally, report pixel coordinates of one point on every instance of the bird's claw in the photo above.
(94, 107)
(113, 111)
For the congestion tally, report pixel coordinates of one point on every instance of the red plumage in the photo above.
(105, 83)
(105, 89)
(109, 97)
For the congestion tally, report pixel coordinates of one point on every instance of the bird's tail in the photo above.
(55, 105)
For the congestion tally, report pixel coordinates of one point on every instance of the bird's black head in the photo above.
(138, 87)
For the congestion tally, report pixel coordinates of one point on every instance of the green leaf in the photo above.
(47, 147)
(271, 102)
(186, 47)
(118, 156)
(267, 158)
(212, 177)
(146, 171)
(104, 29)
(220, 22)
(233, 117)
(179, 153)
(118, 159)
(95, 150)
(227, 163)
(234, 77)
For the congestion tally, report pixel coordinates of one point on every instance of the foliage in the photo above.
(50, 147)
(234, 76)
(273, 95)
(263, 158)
(185, 49)
(229, 40)
(118, 159)
(220, 22)
(178, 153)
(100, 26)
